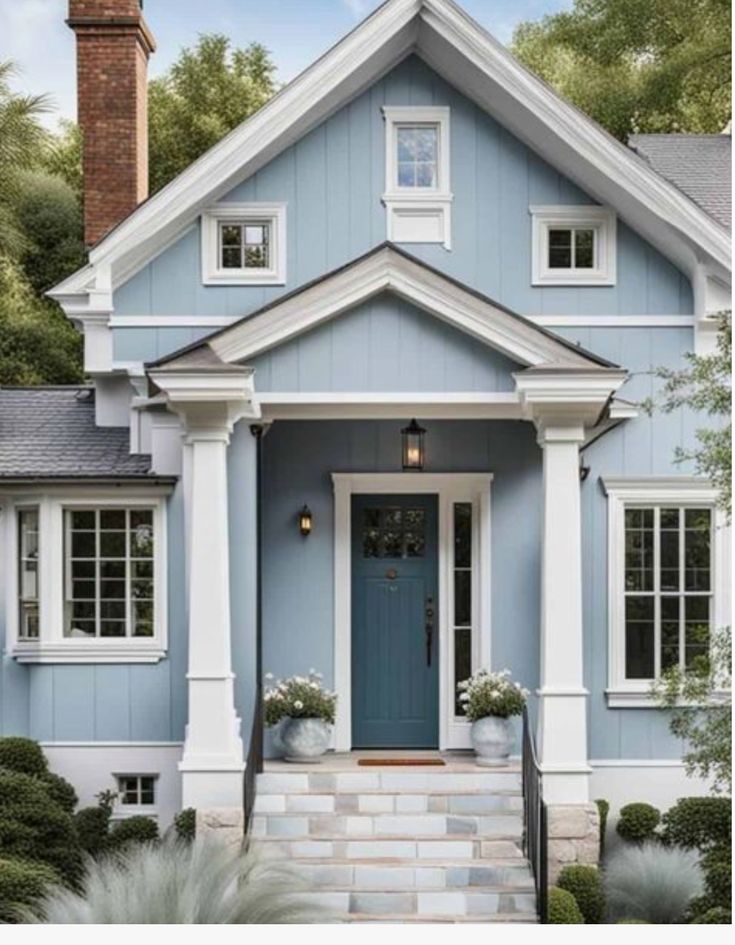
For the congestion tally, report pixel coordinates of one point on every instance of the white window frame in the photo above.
(136, 808)
(655, 492)
(600, 219)
(273, 214)
(418, 214)
(52, 646)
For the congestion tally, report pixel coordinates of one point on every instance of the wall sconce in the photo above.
(305, 521)
(412, 442)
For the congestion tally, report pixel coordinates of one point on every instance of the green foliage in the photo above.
(638, 822)
(37, 344)
(207, 92)
(23, 755)
(700, 823)
(136, 829)
(632, 922)
(299, 697)
(61, 791)
(652, 882)
(63, 157)
(491, 694)
(34, 827)
(637, 65)
(603, 810)
(92, 825)
(563, 908)
(717, 915)
(185, 824)
(22, 883)
(175, 883)
(585, 884)
(50, 215)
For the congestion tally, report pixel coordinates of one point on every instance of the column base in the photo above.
(574, 836)
(203, 788)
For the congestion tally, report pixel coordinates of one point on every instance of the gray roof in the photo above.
(50, 432)
(699, 165)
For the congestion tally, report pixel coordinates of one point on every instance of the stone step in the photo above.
(415, 874)
(498, 824)
(379, 802)
(466, 902)
(395, 919)
(401, 781)
(450, 847)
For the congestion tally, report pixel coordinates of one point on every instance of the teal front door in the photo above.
(395, 644)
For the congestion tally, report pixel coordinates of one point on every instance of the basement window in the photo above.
(136, 790)
(244, 244)
(573, 245)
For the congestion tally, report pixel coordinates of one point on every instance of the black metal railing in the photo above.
(535, 835)
(254, 761)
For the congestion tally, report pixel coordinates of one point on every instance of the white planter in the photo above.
(492, 739)
(305, 740)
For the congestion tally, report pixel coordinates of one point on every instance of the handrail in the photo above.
(254, 761)
(535, 833)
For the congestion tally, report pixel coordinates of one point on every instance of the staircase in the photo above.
(400, 844)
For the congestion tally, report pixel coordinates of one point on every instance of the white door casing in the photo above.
(450, 488)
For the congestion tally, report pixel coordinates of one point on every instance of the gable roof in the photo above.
(474, 62)
(387, 268)
(50, 433)
(699, 165)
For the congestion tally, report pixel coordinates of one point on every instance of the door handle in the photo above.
(429, 628)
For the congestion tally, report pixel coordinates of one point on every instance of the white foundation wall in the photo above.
(660, 783)
(92, 767)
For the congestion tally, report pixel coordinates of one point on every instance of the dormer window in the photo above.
(417, 196)
(244, 244)
(573, 245)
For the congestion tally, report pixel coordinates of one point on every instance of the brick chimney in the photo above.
(113, 46)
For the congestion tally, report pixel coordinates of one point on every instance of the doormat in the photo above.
(399, 762)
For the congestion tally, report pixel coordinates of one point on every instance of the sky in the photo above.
(34, 35)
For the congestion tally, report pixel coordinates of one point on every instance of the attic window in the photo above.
(573, 245)
(244, 244)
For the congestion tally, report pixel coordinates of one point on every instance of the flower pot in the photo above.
(492, 739)
(305, 740)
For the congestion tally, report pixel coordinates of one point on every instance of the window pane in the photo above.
(231, 235)
(462, 598)
(112, 518)
(669, 632)
(83, 569)
(231, 259)
(417, 154)
(83, 544)
(406, 175)
(639, 549)
(28, 612)
(639, 638)
(462, 661)
(669, 549)
(425, 174)
(141, 542)
(462, 534)
(584, 249)
(83, 520)
(29, 622)
(697, 628)
(112, 544)
(256, 257)
(560, 249)
(112, 628)
(697, 549)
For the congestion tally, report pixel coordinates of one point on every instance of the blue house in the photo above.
(415, 228)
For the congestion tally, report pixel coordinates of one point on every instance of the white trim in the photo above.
(601, 220)
(52, 646)
(386, 270)
(273, 214)
(418, 214)
(328, 405)
(655, 491)
(91, 744)
(450, 488)
(636, 763)
(172, 321)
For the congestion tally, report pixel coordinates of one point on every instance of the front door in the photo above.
(395, 643)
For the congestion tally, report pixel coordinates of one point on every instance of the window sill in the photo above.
(631, 699)
(87, 652)
(244, 277)
(566, 278)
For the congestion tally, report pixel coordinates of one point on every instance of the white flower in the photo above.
(298, 704)
(269, 675)
(464, 697)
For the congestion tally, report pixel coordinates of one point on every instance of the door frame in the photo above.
(450, 488)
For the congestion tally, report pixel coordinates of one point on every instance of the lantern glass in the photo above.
(412, 441)
(305, 521)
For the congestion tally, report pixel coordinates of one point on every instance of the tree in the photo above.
(637, 65)
(207, 92)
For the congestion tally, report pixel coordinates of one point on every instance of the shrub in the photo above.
(700, 823)
(715, 916)
(585, 884)
(491, 694)
(299, 697)
(136, 829)
(61, 791)
(34, 827)
(23, 755)
(175, 883)
(93, 824)
(185, 824)
(563, 908)
(651, 882)
(603, 809)
(638, 822)
(22, 883)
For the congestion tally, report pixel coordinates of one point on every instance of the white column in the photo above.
(562, 724)
(212, 762)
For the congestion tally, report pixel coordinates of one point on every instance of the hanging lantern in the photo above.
(412, 441)
(305, 521)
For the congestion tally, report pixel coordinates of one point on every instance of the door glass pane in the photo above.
(639, 638)
(393, 533)
(462, 616)
(462, 661)
(462, 598)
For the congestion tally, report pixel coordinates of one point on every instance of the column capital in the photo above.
(564, 398)
(553, 430)
(209, 401)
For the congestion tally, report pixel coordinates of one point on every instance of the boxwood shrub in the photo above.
(638, 822)
(603, 810)
(717, 915)
(93, 825)
(23, 755)
(700, 823)
(22, 883)
(563, 908)
(185, 824)
(61, 791)
(585, 884)
(133, 829)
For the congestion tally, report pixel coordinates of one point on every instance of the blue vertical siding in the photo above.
(332, 181)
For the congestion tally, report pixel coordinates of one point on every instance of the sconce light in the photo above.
(412, 441)
(305, 521)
